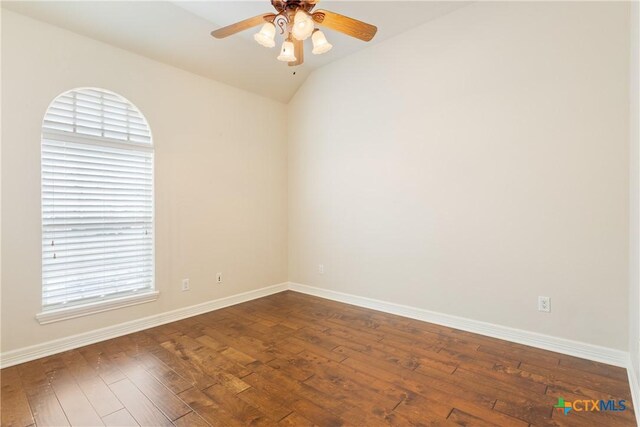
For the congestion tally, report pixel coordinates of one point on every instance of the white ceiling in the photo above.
(177, 33)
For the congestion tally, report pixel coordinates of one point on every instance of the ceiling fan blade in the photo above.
(298, 52)
(344, 24)
(223, 32)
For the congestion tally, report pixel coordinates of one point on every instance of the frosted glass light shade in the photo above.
(266, 35)
(320, 43)
(302, 25)
(286, 53)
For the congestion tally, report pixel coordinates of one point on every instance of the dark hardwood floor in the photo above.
(291, 359)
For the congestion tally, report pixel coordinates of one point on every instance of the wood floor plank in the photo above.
(507, 378)
(520, 355)
(209, 410)
(317, 413)
(477, 358)
(268, 406)
(214, 365)
(165, 400)
(589, 366)
(531, 412)
(285, 393)
(295, 420)
(237, 356)
(167, 376)
(15, 406)
(121, 418)
(138, 405)
(182, 367)
(292, 367)
(296, 360)
(568, 375)
(44, 404)
(462, 418)
(385, 394)
(239, 408)
(438, 399)
(94, 388)
(192, 419)
(309, 345)
(250, 346)
(473, 379)
(74, 402)
(97, 360)
(371, 411)
(298, 389)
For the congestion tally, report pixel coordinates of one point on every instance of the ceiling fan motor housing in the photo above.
(293, 5)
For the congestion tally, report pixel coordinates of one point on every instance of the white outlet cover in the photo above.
(185, 285)
(544, 304)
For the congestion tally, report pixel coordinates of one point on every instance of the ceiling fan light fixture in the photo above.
(296, 21)
(303, 25)
(320, 43)
(265, 37)
(286, 52)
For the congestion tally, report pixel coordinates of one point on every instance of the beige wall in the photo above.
(221, 178)
(472, 164)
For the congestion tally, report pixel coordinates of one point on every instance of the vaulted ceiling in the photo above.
(177, 33)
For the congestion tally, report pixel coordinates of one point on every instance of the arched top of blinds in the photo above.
(97, 113)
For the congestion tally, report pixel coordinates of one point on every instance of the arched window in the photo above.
(97, 204)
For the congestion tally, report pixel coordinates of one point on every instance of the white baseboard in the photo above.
(48, 348)
(546, 342)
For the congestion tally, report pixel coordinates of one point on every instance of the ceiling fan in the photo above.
(297, 22)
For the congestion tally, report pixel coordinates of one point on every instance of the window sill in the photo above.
(96, 307)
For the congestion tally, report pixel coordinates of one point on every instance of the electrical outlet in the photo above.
(219, 278)
(544, 304)
(321, 268)
(185, 285)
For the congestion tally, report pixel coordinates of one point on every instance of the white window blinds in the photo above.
(97, 200)
(97, 113)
